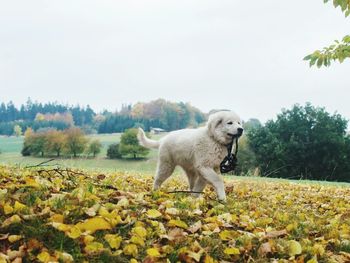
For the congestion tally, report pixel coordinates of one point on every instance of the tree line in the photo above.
(159, 113)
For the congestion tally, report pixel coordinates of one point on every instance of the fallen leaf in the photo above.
(153, 252)
(231, 251)
(152, 213)
(294, 248)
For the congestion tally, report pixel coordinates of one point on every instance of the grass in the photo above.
(10, 148)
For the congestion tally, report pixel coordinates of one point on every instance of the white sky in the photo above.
(240, 55)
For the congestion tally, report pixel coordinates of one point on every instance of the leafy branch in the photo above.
(338, 51)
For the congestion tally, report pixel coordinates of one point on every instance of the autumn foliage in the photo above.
(53, 143)
(51, 215)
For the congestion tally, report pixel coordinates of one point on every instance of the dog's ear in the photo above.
(214, 121)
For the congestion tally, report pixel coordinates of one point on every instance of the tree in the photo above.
(340, 50)
(304, 142)
(55, 141)
(129, 144)
(75, 141)
(113, 151)
(35, 144)
(17, 130)
(94, 147)
(251, 124)
(246, 159)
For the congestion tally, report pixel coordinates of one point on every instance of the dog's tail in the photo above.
(145, 142)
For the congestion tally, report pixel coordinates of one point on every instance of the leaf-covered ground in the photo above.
(64, 216)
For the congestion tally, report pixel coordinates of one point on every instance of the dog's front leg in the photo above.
(213, 178)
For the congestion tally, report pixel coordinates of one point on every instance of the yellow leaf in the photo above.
(231, 251)
(195, 256)
(139, 231)
(94, 224)
(313, 260)
(137, 240)
(153, 213)
(104, 212)
(8, 209)
(177, 223)
(61, 227)
(130, 250)
(294, 248)
(13, 219)
(88, 239)
(291, 227)
(318, 249)
(57, 218)
(133, 260)
(94, 247)
(18, 207)
(209, 259)
(32, 183)
(153, 252)
(14, 238)
(74, 232)
(44, 257)
(113, 240)
(227, 235)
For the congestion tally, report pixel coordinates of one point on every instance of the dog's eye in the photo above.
(230, 123)
(239, 123)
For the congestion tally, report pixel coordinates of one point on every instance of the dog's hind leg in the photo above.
(192, 177)
(164, 170)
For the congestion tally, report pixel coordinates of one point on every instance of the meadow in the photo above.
(10, 147)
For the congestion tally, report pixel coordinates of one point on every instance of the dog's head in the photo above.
(224, 125)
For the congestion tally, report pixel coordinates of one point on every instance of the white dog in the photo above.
(198, 151)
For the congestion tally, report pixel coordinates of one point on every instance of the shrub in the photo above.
(129, 144)
(113, 151)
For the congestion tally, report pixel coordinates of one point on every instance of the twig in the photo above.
(106, 186)
(39, 164)
(276, 170)
(183, 191)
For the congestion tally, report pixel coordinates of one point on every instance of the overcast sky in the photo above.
(240, 55)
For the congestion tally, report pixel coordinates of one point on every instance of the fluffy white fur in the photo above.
(198, 151)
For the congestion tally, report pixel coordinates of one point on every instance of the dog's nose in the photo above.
(240, 130)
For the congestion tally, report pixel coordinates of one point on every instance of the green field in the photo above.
(10, 148)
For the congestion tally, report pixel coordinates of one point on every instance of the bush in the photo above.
(113, 151)
(129, 144)
(25, 150)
